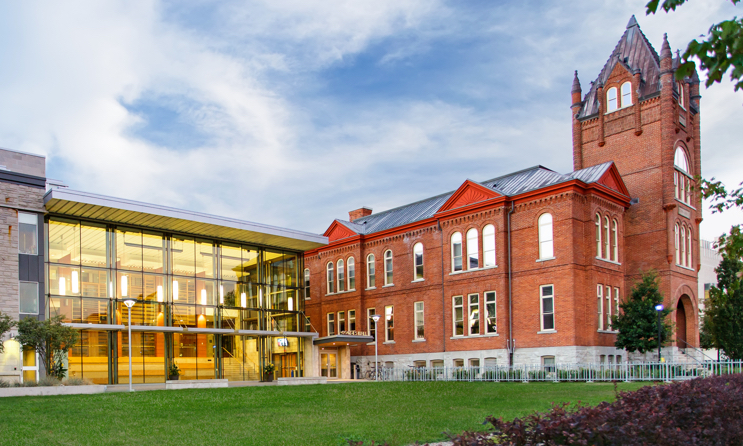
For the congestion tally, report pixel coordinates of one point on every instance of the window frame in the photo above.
(389, 323)
(307, 290)
(599, 237)
(471, 318)
(455, 321)
(371, 272)
(419, 321)
(352, 320)
(36, 299)
(486, 235)
(341, 324)
(29, 216)
(488, 302)
(351, 273)
(607, 242)
(330, 276)
(473, 249)
(627, 94)
(418, 275)
(548, 242)
(609, 99)
(370, 322)
(330, 319)
(388, 268)
(608, 306)
(600, 304)
(341, 275)
(454, 256)
(542, 313)
(615, 240)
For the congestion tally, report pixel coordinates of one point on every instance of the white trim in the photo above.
(417, 280)
(544, 260)
(547, 332)
(608, 261)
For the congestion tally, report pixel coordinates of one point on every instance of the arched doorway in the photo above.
(684, 323)
(681, 326)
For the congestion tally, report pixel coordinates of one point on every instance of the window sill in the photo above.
(371, 288)
(686, 204)
(545, 260)
(472, 270)
(547, 332)
(388, 285)
(419, 340)
(608, 261)
(607, 331)
(418, 280)
(371, 343)
(475, 336)
(685, 267)
(388, 342)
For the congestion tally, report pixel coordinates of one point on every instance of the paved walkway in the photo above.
(161, 386)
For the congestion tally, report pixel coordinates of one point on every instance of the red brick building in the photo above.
(528, 267)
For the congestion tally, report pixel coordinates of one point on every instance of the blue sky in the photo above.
(294, 112)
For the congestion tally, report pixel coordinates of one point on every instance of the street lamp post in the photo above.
(129, 302)
(375, 317)
(659, 310)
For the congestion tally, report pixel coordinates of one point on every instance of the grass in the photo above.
(397, 412)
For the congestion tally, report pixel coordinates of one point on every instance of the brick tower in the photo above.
(637, 115)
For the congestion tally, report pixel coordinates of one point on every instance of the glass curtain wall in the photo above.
(178, 281)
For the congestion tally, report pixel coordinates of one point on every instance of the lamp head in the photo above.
(129, 302)
(375, 318)
(659, 307)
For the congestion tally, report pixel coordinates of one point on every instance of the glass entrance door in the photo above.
(329, 364)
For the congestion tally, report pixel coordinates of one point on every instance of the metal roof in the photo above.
(127, 212)
(515, 183)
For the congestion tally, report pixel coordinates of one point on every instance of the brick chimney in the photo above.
(359, 213)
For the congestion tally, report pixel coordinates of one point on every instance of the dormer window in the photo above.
(626, 90)
(681, 176)
(611, 100)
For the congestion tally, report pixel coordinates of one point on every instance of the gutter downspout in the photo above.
(511, 342)
(443, 294)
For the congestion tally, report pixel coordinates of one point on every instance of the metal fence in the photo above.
(635, 371)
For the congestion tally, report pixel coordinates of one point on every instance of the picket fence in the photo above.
(628, 372)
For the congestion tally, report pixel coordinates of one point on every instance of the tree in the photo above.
(50, 339)
(722, 49)
(6, 323)
(637, 323)
(723, 316)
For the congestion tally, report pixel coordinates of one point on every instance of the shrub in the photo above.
(75, 381)
(4, 383)
(29, 384)
(696, 412)
(48, 381)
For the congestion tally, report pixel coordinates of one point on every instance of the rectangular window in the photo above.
(389, 322)
(491, 325)
(418, 257)
(341, 322)
(388, 268)
(370, 322)
(351, 274)
(29, 298)
(616, 301)
(600, 303)
(474, 314)
(341, 277)
(352, 320)
(371, 277)
(307, 284)
(28, 234)
(307, 324)
(548, 362)
(419, 331)
(458, 315)
(547, 307)
(331, 324)
(608, 308)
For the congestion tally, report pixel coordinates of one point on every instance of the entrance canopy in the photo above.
(343, 339)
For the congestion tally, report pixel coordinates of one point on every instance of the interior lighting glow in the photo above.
(124, 286)
(290, 304)
(243, 300)
(203, 296)
(75, 283)
(221, 294)
(175, 290)
(159, 293)
(62, 288)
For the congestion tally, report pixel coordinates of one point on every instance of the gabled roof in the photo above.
(635, 52)
(516, 183)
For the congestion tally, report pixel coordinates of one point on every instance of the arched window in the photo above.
(626, 90)
(388, 267)
(488, 245)
(371, 277)
(545, 237)
(681, 176)
(611, 99)
(456, 252)
(688, 248)
(351, 265)
(331, 278)
(473, 254)
(341, 276)
(307, 283)
(615, 241)
(676, 243)
(683, 245)
(682, 99)
(418, 261)
(607, 241)
(598, 236)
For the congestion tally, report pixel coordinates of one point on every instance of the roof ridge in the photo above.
(538, 166)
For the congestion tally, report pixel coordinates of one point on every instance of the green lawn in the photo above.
(397, 412)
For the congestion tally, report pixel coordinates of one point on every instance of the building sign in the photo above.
(354, 333)
(685, 213)
(282, 342)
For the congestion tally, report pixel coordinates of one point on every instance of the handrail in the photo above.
(695, 348)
